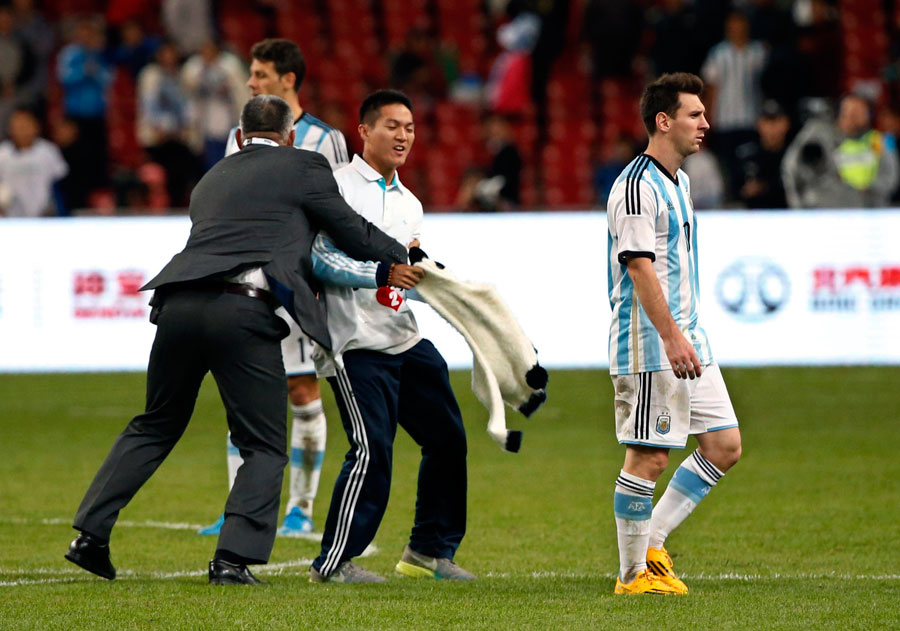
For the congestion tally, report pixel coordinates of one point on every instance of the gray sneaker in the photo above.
(346, 572)
(417, 565)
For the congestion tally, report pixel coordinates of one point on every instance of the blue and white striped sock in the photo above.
(692, 481)
(633, 506)
(308, 437)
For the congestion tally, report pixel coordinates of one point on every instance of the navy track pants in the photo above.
(376, 391)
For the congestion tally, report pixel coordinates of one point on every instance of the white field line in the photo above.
(69, 575)
(125, 523)
(73, 575)
(299, 567)
(705, 576)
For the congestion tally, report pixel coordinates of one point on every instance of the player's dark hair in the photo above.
(284, 54)
(372, 104)
(662, 96)
(269, 113)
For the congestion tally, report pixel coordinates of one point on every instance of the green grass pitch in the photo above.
(803, 534)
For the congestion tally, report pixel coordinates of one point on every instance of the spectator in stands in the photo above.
(551, 40)
(612, 29)
(842, 164)
(29, 168)
(189, 23)
(163, 123)
(506, 161)
(85, 74)
(707, 183)
(34, 31)
(508, 87)
(732, 72)
(675, 47)
(135, 49)
(415, 68)
(74, 188)
(497, 187)
(771, 23)
(613, 159)
(820, 41)
(16, 65)
(762, 186)
(215, 83)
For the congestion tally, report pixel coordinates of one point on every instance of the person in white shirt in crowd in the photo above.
(29, 167)
(163, 126)
(733, 74)
(384, 373)
(214, 80)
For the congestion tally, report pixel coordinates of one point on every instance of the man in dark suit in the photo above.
(254, 216)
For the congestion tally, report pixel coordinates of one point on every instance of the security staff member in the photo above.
(254, 216)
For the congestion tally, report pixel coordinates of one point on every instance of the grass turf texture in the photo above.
(802, 534)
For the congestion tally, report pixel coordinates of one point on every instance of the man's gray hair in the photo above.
(267, 112)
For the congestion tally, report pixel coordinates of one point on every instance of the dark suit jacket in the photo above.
(262, 207)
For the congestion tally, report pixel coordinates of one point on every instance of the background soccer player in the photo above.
(666, 382)
(278, 68)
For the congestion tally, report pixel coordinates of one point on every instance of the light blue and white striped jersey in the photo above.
(736, 73)
(312, 135)
(650, 214)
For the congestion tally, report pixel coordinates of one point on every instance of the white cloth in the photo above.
(27, 177)
(506, 367)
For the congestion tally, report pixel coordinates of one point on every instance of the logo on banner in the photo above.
(848, 288)
(108, 294)
(753, 289)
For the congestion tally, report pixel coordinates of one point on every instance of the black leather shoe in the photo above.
(225, 573)
(87, 552)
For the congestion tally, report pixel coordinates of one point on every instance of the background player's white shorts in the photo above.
(296, 348)
(658, 409)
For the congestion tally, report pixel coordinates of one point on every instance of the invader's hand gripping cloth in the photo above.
(506, 367)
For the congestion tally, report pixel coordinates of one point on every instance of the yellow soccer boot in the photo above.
(645, 583)
(660, 563)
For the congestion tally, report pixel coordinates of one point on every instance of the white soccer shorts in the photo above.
(657, 409)
(296, 348)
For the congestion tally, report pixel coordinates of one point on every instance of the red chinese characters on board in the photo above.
(846, 288)
(108, 294)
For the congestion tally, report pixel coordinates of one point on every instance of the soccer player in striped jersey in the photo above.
(666, 382)
(278, 68)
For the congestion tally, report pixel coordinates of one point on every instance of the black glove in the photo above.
(416, 254)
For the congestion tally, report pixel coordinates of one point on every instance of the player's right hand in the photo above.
(405, 276)
(682, 357)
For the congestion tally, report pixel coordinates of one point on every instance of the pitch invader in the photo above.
(278, 68)
(666, 382)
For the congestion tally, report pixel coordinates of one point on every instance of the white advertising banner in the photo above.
(777, 287)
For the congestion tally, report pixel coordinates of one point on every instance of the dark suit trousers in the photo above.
(237, 338)
(374, 393)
